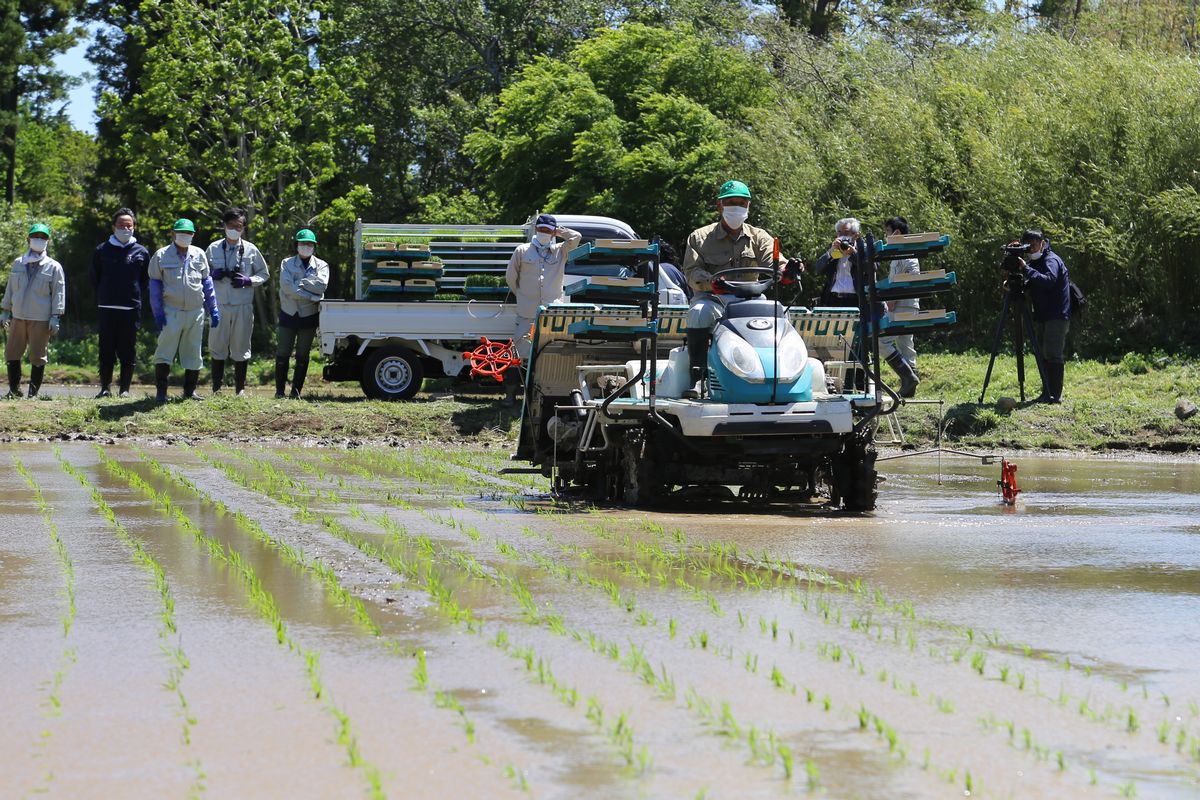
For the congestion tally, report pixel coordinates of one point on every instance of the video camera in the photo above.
(1012, 255)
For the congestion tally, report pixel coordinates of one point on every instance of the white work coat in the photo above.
(535, 274)
(35, 295)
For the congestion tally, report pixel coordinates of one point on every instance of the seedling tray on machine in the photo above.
(912, 245)
(907, 287)
(623, 329)
(902, 323)
(611, 290)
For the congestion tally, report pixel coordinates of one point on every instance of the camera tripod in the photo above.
(1014, 301)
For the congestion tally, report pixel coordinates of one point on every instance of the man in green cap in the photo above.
(722, 245)
(181, 290)
(303, 279)
(34, 299)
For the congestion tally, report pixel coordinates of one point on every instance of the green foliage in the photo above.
(636, 121)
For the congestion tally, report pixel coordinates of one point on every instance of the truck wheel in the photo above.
(392, 373)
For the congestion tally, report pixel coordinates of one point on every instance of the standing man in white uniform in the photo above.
(535, 276)
(237, 268)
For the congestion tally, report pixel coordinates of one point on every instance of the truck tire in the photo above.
(392, 373)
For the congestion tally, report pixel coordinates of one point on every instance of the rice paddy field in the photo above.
(234, 620)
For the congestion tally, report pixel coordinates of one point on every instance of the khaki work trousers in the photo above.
(24, 333)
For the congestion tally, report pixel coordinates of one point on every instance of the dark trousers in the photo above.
(298, 340)
(118, 337)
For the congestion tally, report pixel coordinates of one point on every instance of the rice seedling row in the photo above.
(762, 744)
(264, 603)
(334, 590)
(169, 636)
(52, 687)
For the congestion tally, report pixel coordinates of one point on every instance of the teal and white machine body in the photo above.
(760, 359)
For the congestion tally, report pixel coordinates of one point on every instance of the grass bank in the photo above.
(1124, 406)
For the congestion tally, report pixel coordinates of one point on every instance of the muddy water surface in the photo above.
(413, 623)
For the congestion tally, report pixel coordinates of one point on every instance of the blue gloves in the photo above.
(240, 281)
(55, 325)
(160, 322)
(5, 319)
(218, 274)
(215, 318)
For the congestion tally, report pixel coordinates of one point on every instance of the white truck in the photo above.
(415, 312)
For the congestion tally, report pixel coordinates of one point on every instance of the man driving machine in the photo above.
(727, 244)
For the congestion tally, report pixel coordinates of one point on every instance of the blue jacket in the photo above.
(119, 274)
(1048, 286)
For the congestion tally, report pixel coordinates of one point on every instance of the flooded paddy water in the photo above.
(411, 622)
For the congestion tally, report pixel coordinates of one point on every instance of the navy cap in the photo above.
(546, 220)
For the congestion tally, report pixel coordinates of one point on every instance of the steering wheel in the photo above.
(744, 288)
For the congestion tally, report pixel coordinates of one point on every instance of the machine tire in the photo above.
(860, 477)
(392, 373)
(639, 486)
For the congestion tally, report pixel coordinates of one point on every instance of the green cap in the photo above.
(734, 189)
(183, 225)
(39, 227)
(305, 235)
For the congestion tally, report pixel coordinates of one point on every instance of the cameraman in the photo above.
(1048, 284)
(836, 264)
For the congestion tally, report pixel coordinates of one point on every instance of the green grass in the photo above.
(1126, 405)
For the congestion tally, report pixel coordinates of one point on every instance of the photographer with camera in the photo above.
(837, 265)
(1044, 277)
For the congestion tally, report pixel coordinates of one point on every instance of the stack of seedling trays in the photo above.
(409, 271)
(621, 289)
(906, 287)
(485, 287)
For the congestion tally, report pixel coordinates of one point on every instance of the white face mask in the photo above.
(1037, 255)
(233, 234)
(38, 245)
(123, 235)
(183, 239)
(543, 238)
(734, 216)
(304, 250)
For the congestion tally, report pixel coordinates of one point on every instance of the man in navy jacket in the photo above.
(1049, 288)
(119, 278)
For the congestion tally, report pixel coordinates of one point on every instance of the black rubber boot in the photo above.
(697, 348)
(35, 379)
(125, 380)
(1054, 377)
(281, 369)
(512, 385)
(106, 371)
(218, 374)
(908, 376)
(190, 378)
(14, 380)
(162, 374)
(239, 378)
(298, 378)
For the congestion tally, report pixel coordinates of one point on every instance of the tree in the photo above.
(635, 123)
(235, 108)
(31, 35)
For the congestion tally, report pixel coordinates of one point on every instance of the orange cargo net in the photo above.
(492, 359)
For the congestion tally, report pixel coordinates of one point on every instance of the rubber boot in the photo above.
(239, 378)
(218, 374)
(190, 378)
(298, 378)
(281, 368)
(14, 380)
(35, 379)
(162, 374)
(697, 348)
(908, 375)
(1054, 377)
(106, 371)
(126, 378)
(512, 385)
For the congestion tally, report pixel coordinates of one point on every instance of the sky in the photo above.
(81, 103)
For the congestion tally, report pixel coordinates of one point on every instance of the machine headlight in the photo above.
(792, 359)
(739, 357)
